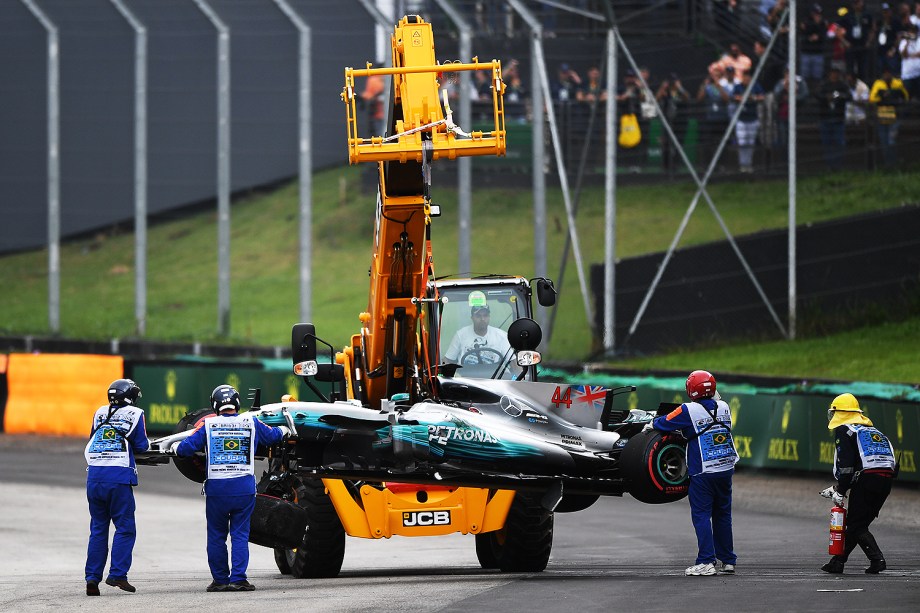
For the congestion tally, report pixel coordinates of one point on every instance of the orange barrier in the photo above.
(57, 393)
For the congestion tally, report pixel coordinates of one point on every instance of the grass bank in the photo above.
(97, 273)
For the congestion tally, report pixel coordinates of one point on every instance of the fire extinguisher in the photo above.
(836, 545)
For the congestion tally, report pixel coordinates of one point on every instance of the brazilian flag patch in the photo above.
(231, 444)
(876, 437)
(108, 434)
(719, 439)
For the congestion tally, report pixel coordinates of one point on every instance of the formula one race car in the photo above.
(558, 447)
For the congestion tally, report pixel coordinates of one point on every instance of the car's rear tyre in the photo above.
(193, 468)
(523, 545)
(654, 465)
(322, 551)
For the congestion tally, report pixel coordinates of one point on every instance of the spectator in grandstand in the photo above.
(372, 98)
(773, 18)
(772, 70)
(713, 94)
(781, 103)
(593, 89)
(814, 33)
(839, 44)
(915, 18)
(904, 15)
(860, 30)
(673, 100)
(832, 96)
(482, 85)
(736, 59)
(515, 93)
(859, 98)
(889, 30)
(706, 423)
(864, 467)
(566, 85)
(731, 80)
(887, 94)
(649, 110)
(748, 122)
(629, 102)
(511, 69)
(909, 48)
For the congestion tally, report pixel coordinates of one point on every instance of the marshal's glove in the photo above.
(834, 495)
(172, 449)
(287, 432)
(648, 426)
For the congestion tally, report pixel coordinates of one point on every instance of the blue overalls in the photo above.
(711, 459)
(230, 441)
(110, 476)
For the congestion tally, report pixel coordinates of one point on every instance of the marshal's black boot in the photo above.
(835, 566)
(871, 549)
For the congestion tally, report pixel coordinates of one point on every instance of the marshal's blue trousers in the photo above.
(711, 510)
(229, 515)
(110, 502)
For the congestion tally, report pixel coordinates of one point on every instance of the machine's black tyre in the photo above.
(193, 468)
(523, 545)
(283, 560)
(322, 551)
(654, 465)
(485, 551)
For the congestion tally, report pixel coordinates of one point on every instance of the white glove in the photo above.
(287, 432)
(173, 448)
(834, 495)
(648, 427)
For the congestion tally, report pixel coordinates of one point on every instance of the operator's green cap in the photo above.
(477, 302)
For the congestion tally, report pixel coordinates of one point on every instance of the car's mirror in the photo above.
(546, 292)
(524, 334)
(303, 343)
(330, 373)
(528, 358)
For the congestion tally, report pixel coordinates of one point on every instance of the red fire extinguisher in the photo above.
(836, 545)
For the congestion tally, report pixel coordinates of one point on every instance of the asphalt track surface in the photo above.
(619, 555)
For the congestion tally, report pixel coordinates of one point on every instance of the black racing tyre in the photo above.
(485, 551)
(322, 551)
(523, 545)
(654, 465)
(283, 559)
(193, 468)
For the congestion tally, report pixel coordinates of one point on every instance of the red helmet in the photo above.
(701, 384)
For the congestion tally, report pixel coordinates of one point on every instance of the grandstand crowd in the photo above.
(858, 80)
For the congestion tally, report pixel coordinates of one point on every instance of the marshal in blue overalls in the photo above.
(230, 441)
(711, 456)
